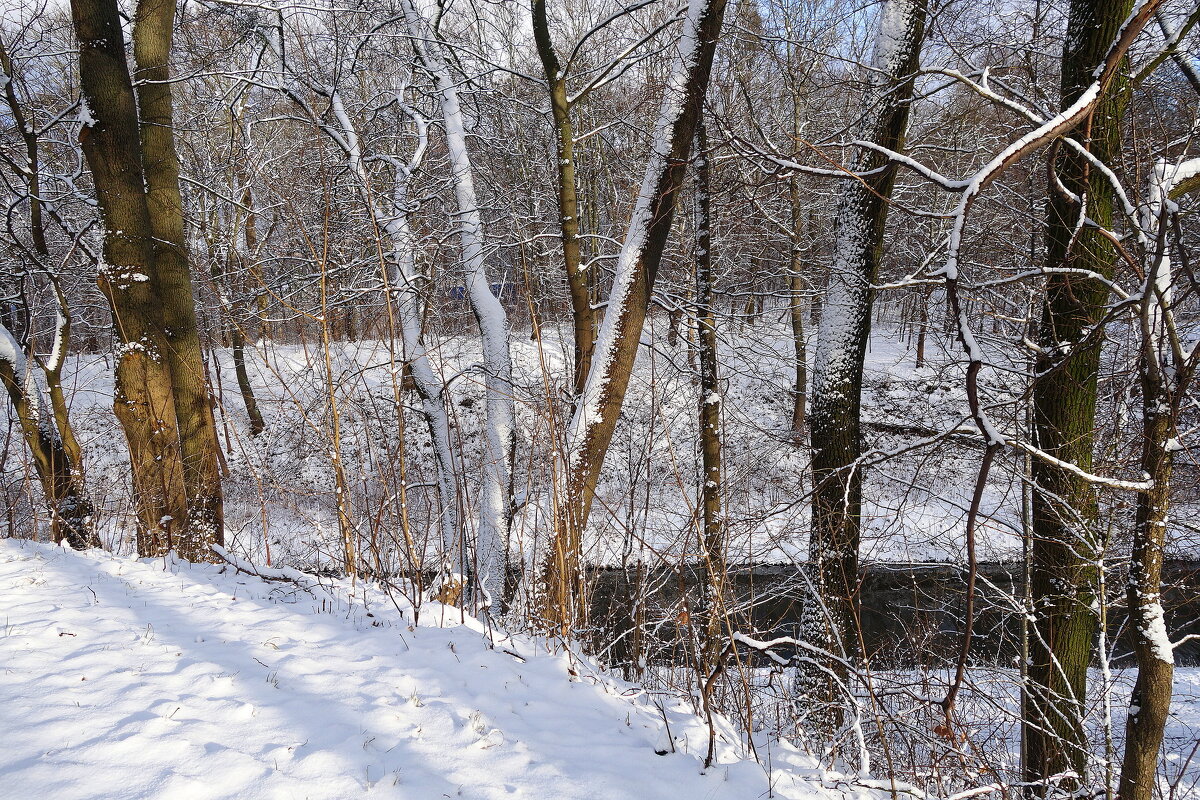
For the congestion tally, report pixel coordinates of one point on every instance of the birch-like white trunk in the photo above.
(390, 214)
(495, 501)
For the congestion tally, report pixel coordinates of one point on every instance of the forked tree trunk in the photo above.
(830, 619)
(144, 402)
(51, 367)
(598, 409)
(1066, 539)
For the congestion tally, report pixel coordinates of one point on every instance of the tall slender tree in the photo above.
(842, 342)
(582, 315)
(1066, 539)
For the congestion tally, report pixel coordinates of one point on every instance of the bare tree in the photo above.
(842, 340)
(596, 415)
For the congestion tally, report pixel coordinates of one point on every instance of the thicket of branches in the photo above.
(560, 311)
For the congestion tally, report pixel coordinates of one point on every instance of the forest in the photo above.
(600, 399)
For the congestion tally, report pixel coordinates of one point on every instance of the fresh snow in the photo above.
(158, 678)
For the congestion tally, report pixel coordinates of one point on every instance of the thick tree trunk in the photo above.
(144, 402)
(596, 414)
(1066, 540)
(153, 31)
(582, 314)
(841, 349)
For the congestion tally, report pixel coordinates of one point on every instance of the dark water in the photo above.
(912, 614)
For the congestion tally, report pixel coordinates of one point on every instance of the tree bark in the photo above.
(144, 402)
(70, 509)
(1165, 380)
(796, 315)
(712, 543)
(153, 31)
(582, 315)
(495, 506)
(1066, 540)
(596, 414)
(834, 418)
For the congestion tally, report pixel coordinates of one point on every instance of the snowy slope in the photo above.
(138, 679)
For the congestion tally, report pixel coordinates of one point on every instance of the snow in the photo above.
(895, 29)
(167, 679)
(1153, 625)
(607, 346)
(85, 113)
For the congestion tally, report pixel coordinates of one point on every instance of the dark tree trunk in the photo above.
(841, 350)
(1066, 539)
(712, 543)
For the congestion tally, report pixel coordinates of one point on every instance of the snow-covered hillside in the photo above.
(153, 678)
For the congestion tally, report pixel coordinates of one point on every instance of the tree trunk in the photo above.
(1150, 702)
(1164, 384)
(796, 314)
(495, 507)
(841, 350)
(712, 543)
(70, 509)
(153, 30)
(1066, 540)
(144, 402)
(583, 317)
(596, 414)
(237, 334)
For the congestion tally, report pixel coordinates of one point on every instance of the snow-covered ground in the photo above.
(280, 488)
(139, 679)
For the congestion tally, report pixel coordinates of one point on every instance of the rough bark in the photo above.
(153, 32)
(144, 402)
(596, 414)
(834, 417)
(1066, 540)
